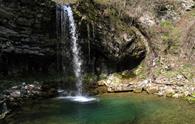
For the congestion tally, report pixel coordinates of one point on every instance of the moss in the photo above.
(193, 14)
(187, 70)
(170, 37)
(191, 99)
(105, 16)
(118, 75)
(89, 78)
(103, 76)
(166, 24)
(140, 72)
(86, 10)
(102, 1)
(128, 75)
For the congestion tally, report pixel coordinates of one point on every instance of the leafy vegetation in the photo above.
(170, 36)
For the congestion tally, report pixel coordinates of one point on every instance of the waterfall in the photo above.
(77, 61)
(67, 23)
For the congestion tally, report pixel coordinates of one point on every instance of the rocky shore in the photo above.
(176, 88)
(16, 96)
(112, 39)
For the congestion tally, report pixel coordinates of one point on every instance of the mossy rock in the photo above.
(110, 36)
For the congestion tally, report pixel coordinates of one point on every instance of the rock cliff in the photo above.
(115, 36)
(27, 36)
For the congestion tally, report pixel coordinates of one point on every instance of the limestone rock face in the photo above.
(106, 38)
(26, 35)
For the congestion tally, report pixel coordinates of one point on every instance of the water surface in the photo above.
(111, 109)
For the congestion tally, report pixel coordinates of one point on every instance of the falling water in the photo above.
(64, 17)
(77, 61)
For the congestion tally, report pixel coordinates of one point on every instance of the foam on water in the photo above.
(80, 99)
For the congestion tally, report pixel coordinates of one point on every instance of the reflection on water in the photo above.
(111, 109)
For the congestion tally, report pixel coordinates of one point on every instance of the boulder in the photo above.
(137, 89)
(177, 95)
(152, 88)
(169, 92)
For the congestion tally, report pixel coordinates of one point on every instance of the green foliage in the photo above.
(128, 75)
(140, 72)
(170, 36)
(102, 1)
(193, 14)
(86, 11)
(167, 24)
(103, 76)
(187, 70)
(89, 78)
(191, 99)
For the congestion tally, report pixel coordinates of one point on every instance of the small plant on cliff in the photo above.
(170, 36)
